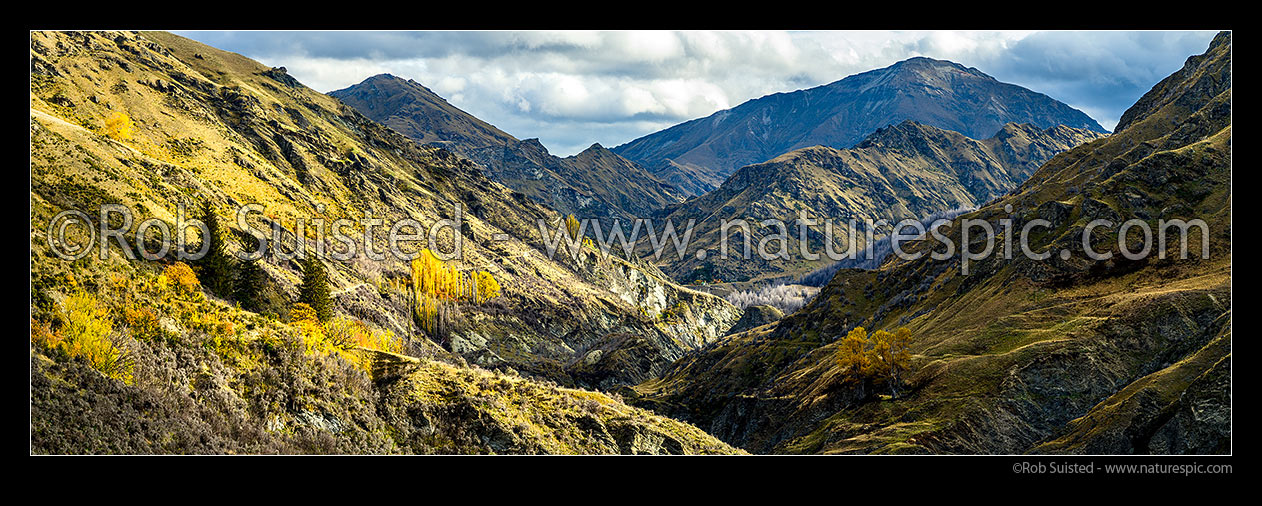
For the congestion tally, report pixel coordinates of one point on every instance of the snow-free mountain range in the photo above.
(593, 353)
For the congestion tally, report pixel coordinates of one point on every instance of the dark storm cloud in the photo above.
(1102, 73)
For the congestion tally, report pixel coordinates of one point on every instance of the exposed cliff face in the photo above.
(1061, 355)
(214, 127)
(938, 93)
(648, 323)
(905, 171)
(595, 183)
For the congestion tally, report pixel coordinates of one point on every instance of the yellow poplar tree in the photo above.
(487, 287)
(118, 126)
(435, 283)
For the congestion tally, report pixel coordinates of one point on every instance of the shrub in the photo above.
(179, 277)
(86, 333)
(302, 312)
(143, 323)
(346, 333)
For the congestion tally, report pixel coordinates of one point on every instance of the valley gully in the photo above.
(73, 234)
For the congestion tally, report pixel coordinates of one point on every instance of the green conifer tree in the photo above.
(314, 291)
(249, 286)
(217, 266)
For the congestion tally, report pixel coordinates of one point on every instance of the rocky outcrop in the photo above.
(646, 323)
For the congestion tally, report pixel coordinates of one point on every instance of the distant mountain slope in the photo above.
(905, 171)
(698, 155)
(1062, 355)
(420, 114)
(593, 184)
(154, 121)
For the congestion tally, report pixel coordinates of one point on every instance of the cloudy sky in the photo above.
(571, 89)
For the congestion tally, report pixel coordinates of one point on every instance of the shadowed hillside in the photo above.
(1063, 355)
(904, 171)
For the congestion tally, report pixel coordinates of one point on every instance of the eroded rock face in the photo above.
(674, 321)
(627, 328)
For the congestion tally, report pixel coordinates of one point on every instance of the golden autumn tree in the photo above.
(852, 354)
(427, 282)
(881, 356)
(436, 284)
(119, 126)
(572, 226)
(487, 287)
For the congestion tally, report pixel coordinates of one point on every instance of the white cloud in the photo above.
(574, 88)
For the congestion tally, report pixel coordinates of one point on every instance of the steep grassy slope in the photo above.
(1060, 355)
(213, 127)
(905, 171)
(594, 184)
(698, 155)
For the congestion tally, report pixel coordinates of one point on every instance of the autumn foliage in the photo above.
(85, 333)
(879, 357)
(437, 284)
(118, 126)
(340, 336)
(180, 279)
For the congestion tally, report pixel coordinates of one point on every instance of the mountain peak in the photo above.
(938, 93)
(926, 70)
(896, 130)
(417, 112)
(595, 148)
(927, 62)
(383, 77)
